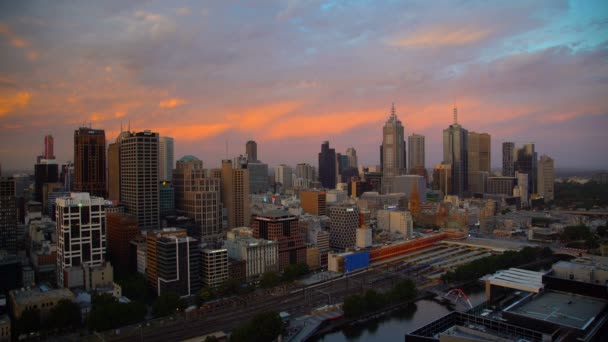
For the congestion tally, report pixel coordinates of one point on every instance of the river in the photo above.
(395, 325)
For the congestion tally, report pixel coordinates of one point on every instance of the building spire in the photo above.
(455, 115)
(393, 112)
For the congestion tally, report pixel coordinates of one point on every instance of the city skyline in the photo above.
(292, 75)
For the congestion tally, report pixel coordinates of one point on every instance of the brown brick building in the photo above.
(121, 229)
(313, 202)
(283, 227)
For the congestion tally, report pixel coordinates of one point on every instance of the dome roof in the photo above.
(188, 158)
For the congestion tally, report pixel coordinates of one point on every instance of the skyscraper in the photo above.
(508, 159)
(90, 161)
(478, 160)
(139, 177)
(455, 153)
(415, 153)
(526, 162)
(283, 175)
(283, 227)
(165, 153)
(546, 178)
(48, 147)
(251, 149)
(81, 236)
(114, 167)
(327, 166)
(351, 153)
(393, 147)
(235, 193)
(8, 215)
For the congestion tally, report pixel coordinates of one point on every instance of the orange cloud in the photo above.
(440, 36)
(120, 114)
(14, 39)
(192, 132)
(320, 125)
(259, 117)
(9, 102)
(10, 126)
(172, 103)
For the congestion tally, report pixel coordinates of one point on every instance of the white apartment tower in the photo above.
(81, 238)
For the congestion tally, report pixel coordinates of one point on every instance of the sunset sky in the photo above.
(291, 74)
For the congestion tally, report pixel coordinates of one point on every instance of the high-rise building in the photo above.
(415, 143)
(187, 169)
(546, 178)
(47, 171)
(305, 171)
(455, 153)
(165, 155)
(258, 177)
(90, 161)
(166, 199)
(178, 265)
(327, 166)
(152, 260)
(81, 237)
(251, 149)
(283, 175)
(526, 162)
(501, 185)
(351, 153)
(121, 228)
(282, 227)
(214, 267)
(508, 159)
(235, 193)
(396, 221)
(313, 202)
(393, 147)
(8, 215)
(139, 178)
(203, 204)
(48, 147)
(343, 226)
(442, 178)
(478, 160)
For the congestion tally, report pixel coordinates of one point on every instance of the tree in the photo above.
(269, 279)
(204, 295)
(108, 313)
(28, 322)
(293, 271)
(167, 304)
(64, 316)
(135, 287)
(266, 326)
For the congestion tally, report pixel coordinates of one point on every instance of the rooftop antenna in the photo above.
(393, 112)
(226, 148)
(455, 115)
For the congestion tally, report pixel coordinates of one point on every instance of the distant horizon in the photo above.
(290, 75)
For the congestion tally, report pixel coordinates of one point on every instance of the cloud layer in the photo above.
(292, 74)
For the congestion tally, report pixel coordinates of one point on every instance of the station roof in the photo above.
(516, 278)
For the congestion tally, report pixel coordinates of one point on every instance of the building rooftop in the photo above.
(34, 295)
(565, 309)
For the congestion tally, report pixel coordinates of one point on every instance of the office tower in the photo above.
(327, 166)
(305, 171)
(67, 176)
(313, 202)
(260, 256)
(81, 236)
(258, 177)
(121, 228)
(214, 267)
(282, 227)
(114, 172)
(235, 193)
(343, 226)
(546, 178)
(393, 147)
(455, 153)
(478, 160)
(526, 162)
(351, 153)
(521, 190)
(442, 178)
(396, 221)
(251, 149)
(90, 161)
(139, 177)
(508, 159)
(203, 204)
(152, 260)
(187, 169)
(8, 215)
(47, 171)
(48, 147)
(178, 265)
(283, 175)
(415, 143)
(165, 155)
(166, 199)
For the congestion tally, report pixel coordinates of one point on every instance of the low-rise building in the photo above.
(41, 298)
(215, 267)
(260, 255)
